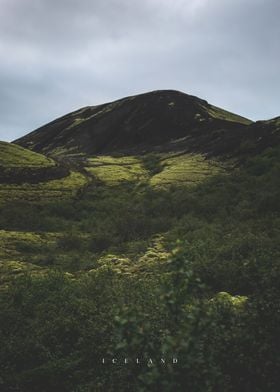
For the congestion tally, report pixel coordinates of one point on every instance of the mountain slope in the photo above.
(19, 165)
(28, 176)
(12, 155)
(261, 135)
(167, 118)
(172, 251)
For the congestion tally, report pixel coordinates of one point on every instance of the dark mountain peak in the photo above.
(167, 95)
(157, 119)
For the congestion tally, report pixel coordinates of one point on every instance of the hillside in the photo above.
(29, 176)
(149, 226)
(162, 120)
(19, 165)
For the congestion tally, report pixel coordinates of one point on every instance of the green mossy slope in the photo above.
(12, 155)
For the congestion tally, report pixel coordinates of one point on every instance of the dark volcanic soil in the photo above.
(136, 124)
(164, 120)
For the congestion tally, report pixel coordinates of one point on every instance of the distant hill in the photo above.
(161, 120)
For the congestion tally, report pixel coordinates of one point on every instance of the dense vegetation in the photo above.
(144, 265)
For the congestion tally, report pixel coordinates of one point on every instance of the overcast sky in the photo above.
(59, 55)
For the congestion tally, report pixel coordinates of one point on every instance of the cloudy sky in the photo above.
(59, 55)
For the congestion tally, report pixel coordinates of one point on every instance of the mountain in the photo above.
(158, 120)
(124, 230)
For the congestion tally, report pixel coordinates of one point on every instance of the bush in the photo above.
(70, 241)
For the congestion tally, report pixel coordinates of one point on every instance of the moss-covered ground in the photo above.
(12, 155)
(163, 253)
(65, 187)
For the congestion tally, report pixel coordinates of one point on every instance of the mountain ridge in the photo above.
(136, 124)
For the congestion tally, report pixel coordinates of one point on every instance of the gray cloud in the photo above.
(57, 56)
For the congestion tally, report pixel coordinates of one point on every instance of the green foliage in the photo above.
(100, 242)
(152, 163)
(70, 241)
(54, 189)
(123, 291)
(193, 334)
